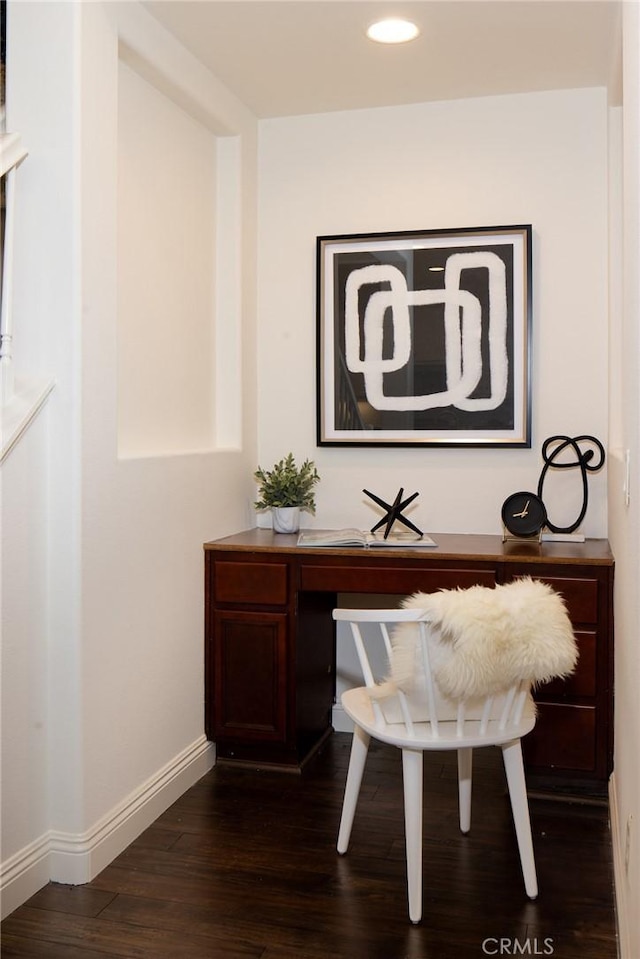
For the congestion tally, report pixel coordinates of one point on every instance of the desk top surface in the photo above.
(449, 546)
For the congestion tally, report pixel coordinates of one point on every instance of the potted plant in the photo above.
(285, 490)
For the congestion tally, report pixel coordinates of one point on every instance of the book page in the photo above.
(332, 537)
(406, 540)
(361, 538)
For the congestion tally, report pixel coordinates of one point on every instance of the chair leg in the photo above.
(412, 780)
(357, 760)
(514, 769)
(465, 763)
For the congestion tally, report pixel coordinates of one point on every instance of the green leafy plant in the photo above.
(287, 485)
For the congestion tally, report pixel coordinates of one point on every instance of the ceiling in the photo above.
(303, 56)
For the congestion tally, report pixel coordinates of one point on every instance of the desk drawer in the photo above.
(391, 579)
(258, 583)
(564, 737)
(583, 682)
(579, 594)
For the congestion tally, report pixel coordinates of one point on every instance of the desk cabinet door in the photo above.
(250, 661)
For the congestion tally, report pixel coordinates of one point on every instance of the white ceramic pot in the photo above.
(286, 519)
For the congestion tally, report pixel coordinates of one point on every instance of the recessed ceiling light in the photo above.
(393, 30)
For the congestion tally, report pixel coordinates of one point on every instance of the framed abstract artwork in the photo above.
(423, 338)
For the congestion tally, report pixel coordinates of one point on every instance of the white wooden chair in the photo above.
(424, 719)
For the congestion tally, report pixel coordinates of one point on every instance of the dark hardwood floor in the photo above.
(244, 866)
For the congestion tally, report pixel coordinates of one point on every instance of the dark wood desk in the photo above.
(270, 639)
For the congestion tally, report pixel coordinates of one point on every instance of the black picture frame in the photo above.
(424, 338)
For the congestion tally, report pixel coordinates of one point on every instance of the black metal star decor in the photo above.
(394, 512)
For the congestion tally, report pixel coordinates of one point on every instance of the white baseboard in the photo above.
(23, 874)
(76, 858)
(340, 721)
(619, 876)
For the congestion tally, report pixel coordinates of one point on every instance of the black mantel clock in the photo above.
(524, 514)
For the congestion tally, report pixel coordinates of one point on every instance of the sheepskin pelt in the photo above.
(484, 640)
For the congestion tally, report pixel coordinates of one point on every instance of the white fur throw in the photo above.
(485, 640)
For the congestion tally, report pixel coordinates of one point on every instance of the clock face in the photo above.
(524, 514)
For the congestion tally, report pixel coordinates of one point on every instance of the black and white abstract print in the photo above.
(424, 338)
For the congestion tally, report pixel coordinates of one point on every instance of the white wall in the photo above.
(495, 161)
(103, 562)
(166, 273)
(40, 479)
(624, 519)
(144, 519)
(24, 693)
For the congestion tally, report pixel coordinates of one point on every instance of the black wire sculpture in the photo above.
(394, 512)
(583, 460)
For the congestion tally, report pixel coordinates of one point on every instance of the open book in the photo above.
(358, 537)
